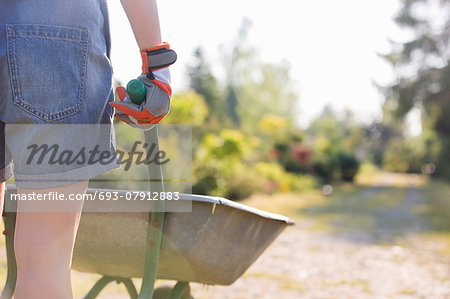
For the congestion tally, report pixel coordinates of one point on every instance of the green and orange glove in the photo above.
(156, 79)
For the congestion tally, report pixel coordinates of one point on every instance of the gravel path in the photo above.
(303, 263)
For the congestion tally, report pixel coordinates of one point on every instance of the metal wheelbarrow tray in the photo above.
(213, 244)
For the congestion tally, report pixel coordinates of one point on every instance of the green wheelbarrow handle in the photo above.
(156, 223)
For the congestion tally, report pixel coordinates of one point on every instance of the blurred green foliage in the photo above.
(422, 83)
(245, 133)
(336, 139)
(188, 107)
(256, 146)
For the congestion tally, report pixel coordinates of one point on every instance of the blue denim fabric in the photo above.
(55, 68)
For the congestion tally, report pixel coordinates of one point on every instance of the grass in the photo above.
(362, 284)
(437, 212)
(383, 178)
(289, 204)
(345, 195)
(379, 205)
(348, 206)
(437, 209)
(408, 292)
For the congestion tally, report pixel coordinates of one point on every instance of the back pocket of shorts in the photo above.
(48, 69)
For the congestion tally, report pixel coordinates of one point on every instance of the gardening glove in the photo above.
(156, 79)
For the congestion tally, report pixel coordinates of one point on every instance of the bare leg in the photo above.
(44, 243)
(2, 196)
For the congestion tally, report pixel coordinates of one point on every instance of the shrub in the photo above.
(324, 169)
(348, 166)
(278, 180)
(242, 183)
(294, 158)
(187, 107)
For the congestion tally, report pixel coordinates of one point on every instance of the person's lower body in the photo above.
(44, 253)
(53, 75)
(44, 243)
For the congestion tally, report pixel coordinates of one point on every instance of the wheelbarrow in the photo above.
(214, 244)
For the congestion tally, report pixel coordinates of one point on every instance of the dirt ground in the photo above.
(305, 264)
(369, 243)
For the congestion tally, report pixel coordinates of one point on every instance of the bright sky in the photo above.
(331, 45)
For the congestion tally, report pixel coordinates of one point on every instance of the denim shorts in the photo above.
(55, 75)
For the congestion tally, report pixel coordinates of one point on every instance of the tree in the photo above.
(233, 68)
(205, 83)
(423, 71)
(336, 140)
(268, 89)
